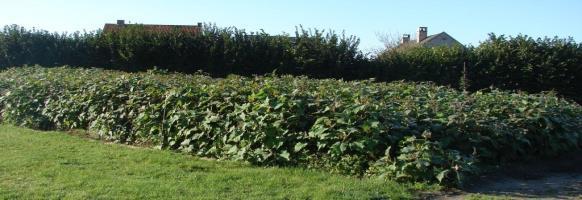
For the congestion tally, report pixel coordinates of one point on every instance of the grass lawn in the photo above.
(56, 165)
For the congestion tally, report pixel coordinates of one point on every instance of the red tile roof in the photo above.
(155, 28)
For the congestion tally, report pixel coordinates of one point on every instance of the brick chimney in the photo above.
(120, 22)
(421, 34)
(405, 39)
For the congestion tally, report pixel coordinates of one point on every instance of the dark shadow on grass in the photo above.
(557, 178)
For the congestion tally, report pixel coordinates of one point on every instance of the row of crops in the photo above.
(401, 130)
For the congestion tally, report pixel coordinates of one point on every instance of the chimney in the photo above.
(405, 39)
(200, 27)
(120, 22)
(421, 34)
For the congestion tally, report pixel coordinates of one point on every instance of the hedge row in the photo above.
(218, 51)
(404, 131)
(514, 63)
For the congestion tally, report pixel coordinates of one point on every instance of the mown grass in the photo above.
(56, 165)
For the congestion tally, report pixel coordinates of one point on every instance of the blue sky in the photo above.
(468, 21)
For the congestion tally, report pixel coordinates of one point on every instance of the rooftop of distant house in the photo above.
(422, 38)
(194, 29)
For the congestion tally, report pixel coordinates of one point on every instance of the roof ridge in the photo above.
(154, 27)
(431, 37)
(153, 24)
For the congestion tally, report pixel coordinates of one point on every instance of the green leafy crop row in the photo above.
(405, 131)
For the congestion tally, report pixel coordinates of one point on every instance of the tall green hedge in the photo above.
(522, 63)
(218, 51)
(516, 63)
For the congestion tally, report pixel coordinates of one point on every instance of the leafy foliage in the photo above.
(423, 159)
(407, 131)
(511, 63)
(218, 51)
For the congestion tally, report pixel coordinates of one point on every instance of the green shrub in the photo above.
(218, 51)
(399, 130)
(510, 63)
(422, 159)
